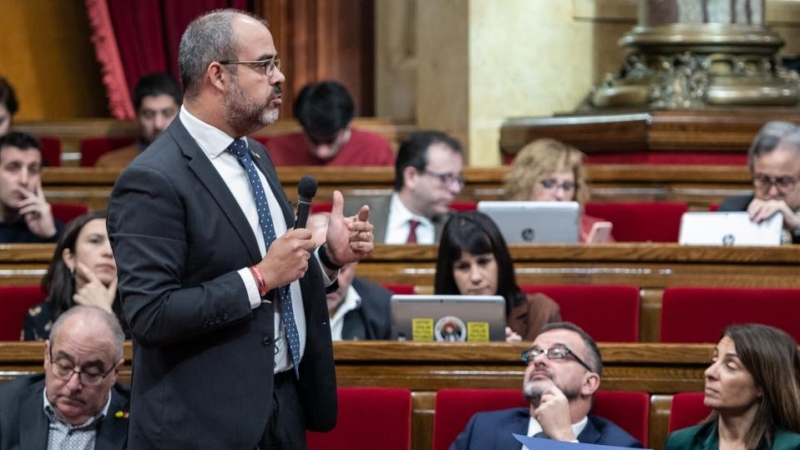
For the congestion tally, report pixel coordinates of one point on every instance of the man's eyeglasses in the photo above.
(551, 185)
(447, 179)
(555, 352)
(64, 370)
(765, 182)
(268, 65)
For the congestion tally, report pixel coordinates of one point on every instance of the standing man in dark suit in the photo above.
(76, 403)
(226, 302)
(564, 370)
(427, 178)
(774, 159)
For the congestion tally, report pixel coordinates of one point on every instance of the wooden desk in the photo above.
(651, 267)
(699, 186)
(661, 370)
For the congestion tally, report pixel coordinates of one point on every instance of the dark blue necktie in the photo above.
(239, 149)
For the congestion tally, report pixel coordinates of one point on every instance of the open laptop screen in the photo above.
(729, 228)
(471, 318)
(535, 222)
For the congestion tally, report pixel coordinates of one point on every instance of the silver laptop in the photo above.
(535, 222)
(729, 228)
(449, 318)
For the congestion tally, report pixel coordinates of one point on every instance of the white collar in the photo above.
(211, 139)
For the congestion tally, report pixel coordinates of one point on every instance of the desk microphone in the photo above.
(307, 189)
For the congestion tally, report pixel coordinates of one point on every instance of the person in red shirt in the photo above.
(325, 111)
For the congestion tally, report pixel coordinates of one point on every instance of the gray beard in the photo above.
(248, 116)
(533, 393)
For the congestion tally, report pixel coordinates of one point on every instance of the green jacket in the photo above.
(706, 437)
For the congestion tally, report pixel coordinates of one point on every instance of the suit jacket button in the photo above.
(267, 341)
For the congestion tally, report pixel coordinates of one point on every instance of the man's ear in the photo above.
(217, 75)
(410, 175)
(591, 383)
(46, 353)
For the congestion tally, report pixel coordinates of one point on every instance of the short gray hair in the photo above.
(208, 38)
(104, 317)
(772, 135)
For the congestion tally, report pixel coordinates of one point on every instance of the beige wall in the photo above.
(47, 55)
(508, 58)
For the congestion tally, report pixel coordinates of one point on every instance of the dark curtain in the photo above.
(148, 32)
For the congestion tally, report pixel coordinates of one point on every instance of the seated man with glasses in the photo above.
(325, 111)
(564, 370)
(774, 159)
(76, 403)
(428, 177)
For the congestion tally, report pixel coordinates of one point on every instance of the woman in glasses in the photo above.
(753, 389)
(82, 272)
(547, 170)
(474, 260)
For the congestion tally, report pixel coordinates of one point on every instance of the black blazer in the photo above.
(494, 431)
(24, 425)
(373, 319)
(203, 360)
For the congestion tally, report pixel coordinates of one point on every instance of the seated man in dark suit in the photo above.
(157, 99)
(76, 403)
(564, 370)
(359, 309)
(774, 159)
(25, 215)
(427, 178)
(325, 111)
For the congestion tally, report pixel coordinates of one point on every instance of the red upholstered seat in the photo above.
(51, 151)
(454, 408)
(641, 222)
(700, 314)
(65, 212)
(608, 313)
(464, 206)
(401, 289)
(14, 302)
(94, 148)
(687, 410)
(368, 418)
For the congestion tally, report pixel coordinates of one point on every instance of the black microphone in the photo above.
(307, 189)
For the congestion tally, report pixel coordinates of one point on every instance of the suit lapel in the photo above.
(517, 425)
(112, 433)
(33, 424)
(589, 435)
(208, 175)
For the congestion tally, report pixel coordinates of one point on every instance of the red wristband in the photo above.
(262, 285)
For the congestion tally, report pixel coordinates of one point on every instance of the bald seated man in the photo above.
(76, 403)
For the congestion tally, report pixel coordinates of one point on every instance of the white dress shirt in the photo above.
(214, 143)
(351, 301)
(398, 226)
(534, 427)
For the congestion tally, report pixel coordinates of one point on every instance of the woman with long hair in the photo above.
(753, 389)
(474, 260)
(82, 272)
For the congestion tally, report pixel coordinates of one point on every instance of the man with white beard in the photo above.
(564, 370)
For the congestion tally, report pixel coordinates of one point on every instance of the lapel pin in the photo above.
(121, 414)
(256, 155)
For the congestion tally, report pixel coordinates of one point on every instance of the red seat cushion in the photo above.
(400, 289)
(14, 303)
(607, 313)
(66, 212)
(368, 418)
(94, 148)
(641, 222)
(687, 410)
(454, 408)
(51, 151)
(700, 314)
